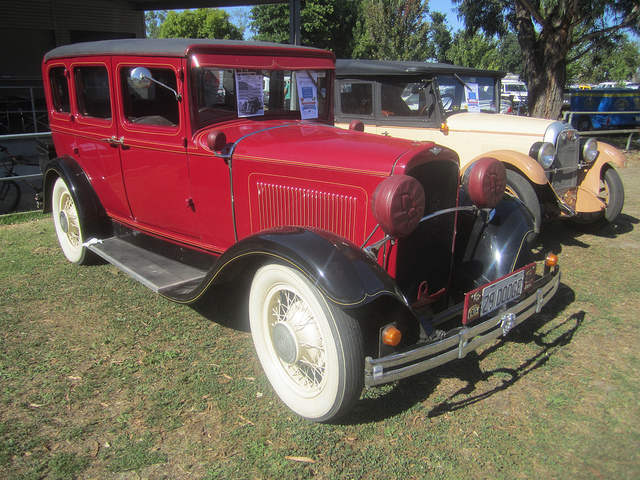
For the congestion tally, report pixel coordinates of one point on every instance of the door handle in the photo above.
(114, 141)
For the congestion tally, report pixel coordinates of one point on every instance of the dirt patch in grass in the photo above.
(101, 379)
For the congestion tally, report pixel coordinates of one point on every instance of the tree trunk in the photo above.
(544, 56)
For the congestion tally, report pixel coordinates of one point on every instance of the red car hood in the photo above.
(323, 145)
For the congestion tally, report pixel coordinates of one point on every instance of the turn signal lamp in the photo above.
(391, 336)
(551, 260)
(444, 128)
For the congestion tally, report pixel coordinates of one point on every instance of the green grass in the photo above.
(101, 378)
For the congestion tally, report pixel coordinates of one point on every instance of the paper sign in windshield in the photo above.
(472, 97)
(308, 94)
(249, 90)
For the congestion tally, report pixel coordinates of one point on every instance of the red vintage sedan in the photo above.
(211, 172)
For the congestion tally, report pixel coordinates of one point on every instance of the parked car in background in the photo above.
(515, 91)
(550, 168)
(355, 259)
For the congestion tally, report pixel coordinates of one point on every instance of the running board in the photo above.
(160, 274)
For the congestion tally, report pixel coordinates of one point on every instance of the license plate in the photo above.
(486, 299)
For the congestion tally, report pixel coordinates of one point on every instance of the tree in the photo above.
(612, 62)
(475, 50)
(325, 24)
(439, 37)
(200, 23)
(153, 21)
(510, 54)
(552, 34)
(393, 30)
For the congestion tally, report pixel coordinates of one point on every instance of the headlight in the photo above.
(398, 205)
(588, 149)
(544, 153)
(485, 181)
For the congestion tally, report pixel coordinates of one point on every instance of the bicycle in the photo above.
(10, 191)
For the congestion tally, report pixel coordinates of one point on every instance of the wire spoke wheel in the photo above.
(68, 223)
(310, 350)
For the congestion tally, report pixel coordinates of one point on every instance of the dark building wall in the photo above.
(30, 28)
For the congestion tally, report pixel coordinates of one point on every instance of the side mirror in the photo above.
(141, 78)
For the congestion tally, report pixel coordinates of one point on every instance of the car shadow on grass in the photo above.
(556, 234)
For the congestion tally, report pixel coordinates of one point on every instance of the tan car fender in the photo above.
(589, 180)
(520, 161)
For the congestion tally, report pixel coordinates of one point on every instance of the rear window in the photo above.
(92, 91)
(60, 89)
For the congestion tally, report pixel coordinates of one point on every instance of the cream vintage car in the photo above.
(550, 168)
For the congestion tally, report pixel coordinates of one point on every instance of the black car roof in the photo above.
(359, 68)
(173, 47)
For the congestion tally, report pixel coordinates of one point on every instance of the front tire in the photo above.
(612, 195)
(310, 350)
(68, 223)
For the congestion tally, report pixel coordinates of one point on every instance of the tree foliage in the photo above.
(551, 34)
(327, 24)
(610, 62)
(393, 30)
(475, 50)
(153, 21)
(200, 23)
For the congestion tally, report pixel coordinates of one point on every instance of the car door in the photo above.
(95, 131)
(152, 140)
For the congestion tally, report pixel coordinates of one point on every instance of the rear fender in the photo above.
(91, 212)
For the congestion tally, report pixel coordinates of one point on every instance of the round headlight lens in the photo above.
(544, 153)
(588, 149)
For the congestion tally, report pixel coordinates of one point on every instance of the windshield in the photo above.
(222, 93)
(467, 94)
(515, 87)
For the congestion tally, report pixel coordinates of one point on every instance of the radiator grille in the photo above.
(284, 205)
(568, 150)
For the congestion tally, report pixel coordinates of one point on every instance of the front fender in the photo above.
(589, 186)
(527, 165)
(340, 269)
(91, 212)
(491, 247)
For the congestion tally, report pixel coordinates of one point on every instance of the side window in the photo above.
(152, 104)
(60, 89)
(356, 98)
(92, 90)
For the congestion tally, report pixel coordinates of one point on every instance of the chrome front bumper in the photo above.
(401, 365)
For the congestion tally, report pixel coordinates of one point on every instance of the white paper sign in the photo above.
(249, 94)
(308, 95)
(472, 97)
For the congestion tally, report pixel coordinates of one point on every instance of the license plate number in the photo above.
(488, 298)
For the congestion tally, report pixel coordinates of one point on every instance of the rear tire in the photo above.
(68, 223)
(9, 196)
(310, 350)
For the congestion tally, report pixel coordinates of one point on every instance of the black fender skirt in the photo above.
(492, 244)
(341, 270)
(93, 217)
